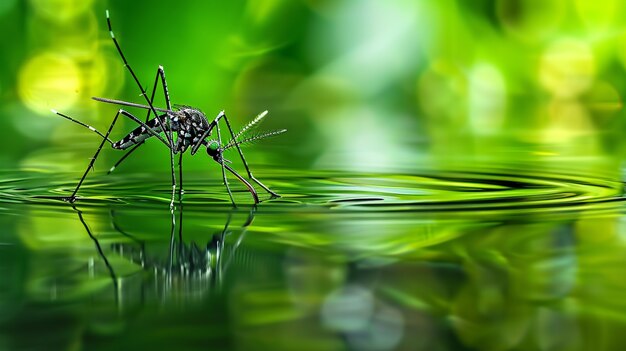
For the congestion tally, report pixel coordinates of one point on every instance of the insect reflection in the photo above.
(188, 268)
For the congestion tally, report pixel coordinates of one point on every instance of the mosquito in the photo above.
(179, 128)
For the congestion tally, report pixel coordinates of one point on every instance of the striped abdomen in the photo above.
(140, 134)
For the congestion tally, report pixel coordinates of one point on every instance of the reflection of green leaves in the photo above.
(264, 307)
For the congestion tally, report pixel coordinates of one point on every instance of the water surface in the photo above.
(489, 259)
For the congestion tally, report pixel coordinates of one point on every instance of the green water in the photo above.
(496, 259)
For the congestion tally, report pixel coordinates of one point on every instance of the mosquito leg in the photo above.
(124, 157)
(180, 175)
(221, 161)
(160, 74)
(154, 133)
(72, 197)
(151, 131)
(143, 93)
(105, 137)
(84, 125)
(166, 93)
(100, 134)
(132, 73)
(172, 168)
(243, 159)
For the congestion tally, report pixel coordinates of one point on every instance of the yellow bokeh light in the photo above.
(570, 130)
(105, 75)
(60, 10)
(566, 121)
(49, 81)
(567, 68)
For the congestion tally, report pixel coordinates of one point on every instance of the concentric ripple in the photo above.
(462, 191)
(425, 191)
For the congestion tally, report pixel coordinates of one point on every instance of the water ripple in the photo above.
(426, 191)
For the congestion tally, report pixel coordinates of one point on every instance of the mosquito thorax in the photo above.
(190, 114)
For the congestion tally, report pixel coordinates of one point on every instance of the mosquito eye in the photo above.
(212, 148)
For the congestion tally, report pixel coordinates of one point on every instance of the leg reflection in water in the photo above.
(101, 253)
(185, 271)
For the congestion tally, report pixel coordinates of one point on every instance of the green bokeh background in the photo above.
(367, 86)
(509, 260)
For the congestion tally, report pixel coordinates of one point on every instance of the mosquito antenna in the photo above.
(253, 138)
(247, 127)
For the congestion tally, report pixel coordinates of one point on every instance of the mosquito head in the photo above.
(213, 148)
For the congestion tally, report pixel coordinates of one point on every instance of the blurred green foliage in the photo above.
(360, 85)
